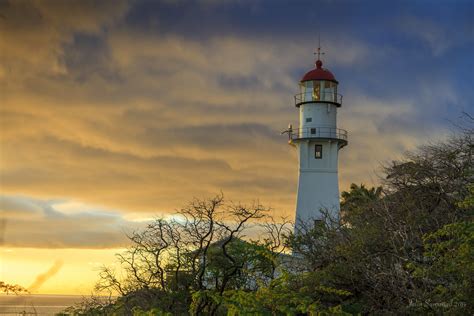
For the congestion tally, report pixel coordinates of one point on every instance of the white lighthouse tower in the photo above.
(318, 141)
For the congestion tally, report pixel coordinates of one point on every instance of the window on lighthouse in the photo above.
(318, 151)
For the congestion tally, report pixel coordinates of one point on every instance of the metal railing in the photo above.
(318, 132)
(309, 96)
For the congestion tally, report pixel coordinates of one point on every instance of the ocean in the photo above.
(36, 304)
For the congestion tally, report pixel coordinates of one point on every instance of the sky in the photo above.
(113, 113)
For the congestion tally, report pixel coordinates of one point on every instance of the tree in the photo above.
(11, 288)
(359, 196)
(192, 260)
(448, 269)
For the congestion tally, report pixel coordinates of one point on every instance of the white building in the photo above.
(318, 141)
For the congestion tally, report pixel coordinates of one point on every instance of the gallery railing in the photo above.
(318, 132)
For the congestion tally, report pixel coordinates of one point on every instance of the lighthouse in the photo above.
(318, 141)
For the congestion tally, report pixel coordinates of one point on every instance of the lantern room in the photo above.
(318, 85)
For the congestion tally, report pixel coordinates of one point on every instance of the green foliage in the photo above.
(448, 268)
(290, 294)
(205, 302)
(252, 261)
(244, 267)
(152, 312)
(359, 196)
(468, 202)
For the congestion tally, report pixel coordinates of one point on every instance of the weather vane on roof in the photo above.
(318, 52)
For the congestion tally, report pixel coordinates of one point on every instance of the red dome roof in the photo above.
(319, 73)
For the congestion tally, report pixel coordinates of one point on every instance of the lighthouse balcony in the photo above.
(321, 97)
(325, 133)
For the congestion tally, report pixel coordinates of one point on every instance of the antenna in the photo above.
(318, 52)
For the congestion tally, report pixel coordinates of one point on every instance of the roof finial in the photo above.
(319, 63)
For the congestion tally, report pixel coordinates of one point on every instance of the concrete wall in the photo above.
(321, 114)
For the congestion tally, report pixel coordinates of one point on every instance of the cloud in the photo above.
(3, 224)
(117, 111)
(47, 227)
(438, 37)
(33, 33)
(186, 118)
(43, 277)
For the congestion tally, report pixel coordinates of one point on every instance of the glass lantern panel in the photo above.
(308, 91)
(316, 90)
(329, 91)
